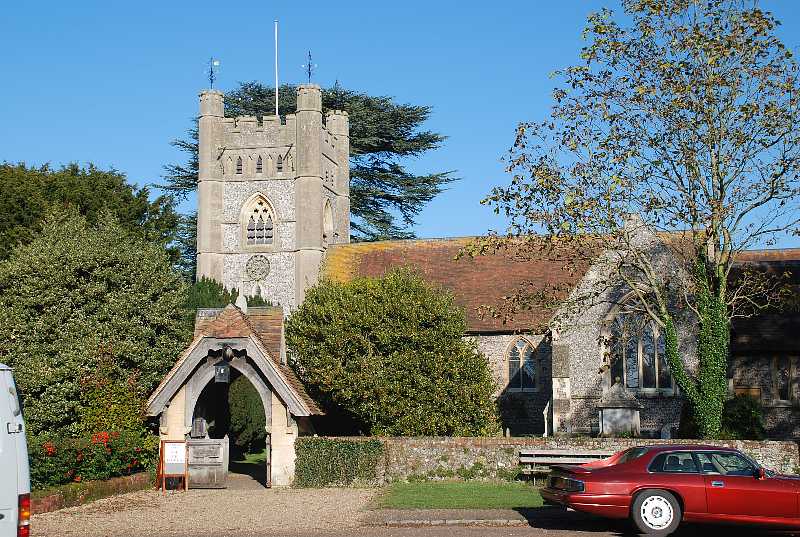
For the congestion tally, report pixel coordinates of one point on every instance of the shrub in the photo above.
(78, 294)
(390, 353)
(743, 419)
(248, 422)
(56, 460)
(209, 293)
(325, 462)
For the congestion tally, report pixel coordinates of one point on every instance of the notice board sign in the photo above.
(173, 462)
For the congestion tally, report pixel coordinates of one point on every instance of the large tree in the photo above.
(81, 299)
(681, 120)
(385, 197)
(389, 354)
(26, 193)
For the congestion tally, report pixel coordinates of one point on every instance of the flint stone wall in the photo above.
(469, 458)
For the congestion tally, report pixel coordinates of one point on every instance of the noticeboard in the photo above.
(173, 462)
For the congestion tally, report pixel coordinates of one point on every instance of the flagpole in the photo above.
(276, 68)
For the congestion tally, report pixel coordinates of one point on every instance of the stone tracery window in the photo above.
(280, 164)
(636, 353)
(260, 223)
(239, 166)
(259, 165)
(522, 371)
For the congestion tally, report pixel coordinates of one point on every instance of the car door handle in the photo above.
(13, 428)
(718, 484)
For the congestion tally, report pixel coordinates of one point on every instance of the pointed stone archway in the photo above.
(255, 352)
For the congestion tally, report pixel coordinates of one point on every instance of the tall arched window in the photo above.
(260, 224)
(239, 165)
(280, 164)
(259, 165)
(636, 353)
(522, 371)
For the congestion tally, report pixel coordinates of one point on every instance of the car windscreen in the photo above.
(631, 455)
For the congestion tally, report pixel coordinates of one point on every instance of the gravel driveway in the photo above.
(209, 512)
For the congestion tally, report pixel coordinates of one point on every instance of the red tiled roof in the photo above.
(266, 324)
(767, 256)
(474, 281)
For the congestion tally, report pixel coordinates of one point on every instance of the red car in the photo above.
(660, 486)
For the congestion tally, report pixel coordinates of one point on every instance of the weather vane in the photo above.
(309, 67)
(211, 71)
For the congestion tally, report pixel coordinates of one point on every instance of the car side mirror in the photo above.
(761, 474)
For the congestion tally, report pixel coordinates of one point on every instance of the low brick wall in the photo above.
(78, 493)
(445, 457)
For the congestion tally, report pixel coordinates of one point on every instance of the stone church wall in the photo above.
(581, 374)
(447, 457)
(521, 411)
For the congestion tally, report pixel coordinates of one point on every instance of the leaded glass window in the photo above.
(260, 225)
(636, 353)
(522, 374)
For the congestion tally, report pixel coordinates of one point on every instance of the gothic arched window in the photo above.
(327, 223)
(636, 353)
(522, 370)
(260, 224)
(259, 165)
(239, 165)
(279, 164)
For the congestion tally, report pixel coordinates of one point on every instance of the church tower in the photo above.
(272, 196)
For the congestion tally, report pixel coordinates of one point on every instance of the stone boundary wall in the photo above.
(74, 494)
(444, 457)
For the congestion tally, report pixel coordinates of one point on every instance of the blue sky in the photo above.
(114, 82)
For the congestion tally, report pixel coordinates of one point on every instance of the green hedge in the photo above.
(59, 460)
(323, 462)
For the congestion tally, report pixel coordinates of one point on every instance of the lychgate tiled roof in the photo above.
(264, 324)
(474, 281)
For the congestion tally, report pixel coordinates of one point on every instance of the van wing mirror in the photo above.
(761, 473)
(14, 402)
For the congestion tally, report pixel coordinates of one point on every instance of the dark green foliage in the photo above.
(78, 294)
(390, 353)
(186, 246)
(743, 419)
(56, 460)
(26, 194)
(248, 421)
(110, 403)
(384, 196)
(713, 343)
(325, 462)
(209, 293)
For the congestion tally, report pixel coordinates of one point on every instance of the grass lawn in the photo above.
(254, 458)
(461, 495)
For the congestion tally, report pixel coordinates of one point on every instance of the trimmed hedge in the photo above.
(60, 460)
(325, 462)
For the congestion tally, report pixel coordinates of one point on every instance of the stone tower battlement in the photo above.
(272, 195)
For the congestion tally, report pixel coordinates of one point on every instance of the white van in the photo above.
(15, 479)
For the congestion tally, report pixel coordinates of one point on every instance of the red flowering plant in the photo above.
(101, 455)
